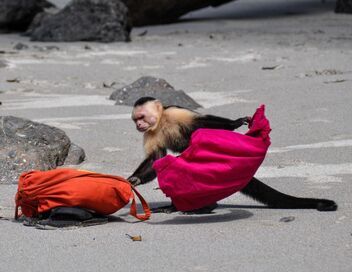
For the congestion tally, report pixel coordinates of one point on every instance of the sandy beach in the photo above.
(293, 56)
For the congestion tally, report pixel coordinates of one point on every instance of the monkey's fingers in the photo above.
(164, 209)
(205, 210)
(134, 181)
(247, 120)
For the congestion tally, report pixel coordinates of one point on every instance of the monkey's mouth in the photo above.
(142, 129)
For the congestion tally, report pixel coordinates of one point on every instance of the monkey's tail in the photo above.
(275, 199)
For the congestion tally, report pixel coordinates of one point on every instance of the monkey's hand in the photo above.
(247, 120)
(135, 181)
(165, 209)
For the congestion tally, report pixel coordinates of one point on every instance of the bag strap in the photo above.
(17, 214)
(22, 204)
(133, 209)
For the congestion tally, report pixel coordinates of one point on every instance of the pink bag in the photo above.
(217, 164)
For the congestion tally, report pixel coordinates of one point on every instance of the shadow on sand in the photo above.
(223, 213)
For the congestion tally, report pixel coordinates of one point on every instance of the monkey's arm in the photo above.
(215, 122)
(145, 172)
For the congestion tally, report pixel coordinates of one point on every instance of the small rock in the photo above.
(154, 87)
(76, 155)
(12, 154)
(21, 46)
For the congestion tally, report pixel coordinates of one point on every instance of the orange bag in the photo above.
(41, 191)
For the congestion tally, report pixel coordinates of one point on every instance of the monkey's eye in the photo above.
(138, 118)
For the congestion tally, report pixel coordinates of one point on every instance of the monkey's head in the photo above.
(146, 113)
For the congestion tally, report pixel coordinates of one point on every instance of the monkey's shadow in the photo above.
(231, 213)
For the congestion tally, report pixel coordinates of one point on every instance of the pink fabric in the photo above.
(217, 164)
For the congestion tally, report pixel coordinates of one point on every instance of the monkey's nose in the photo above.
(139, 126)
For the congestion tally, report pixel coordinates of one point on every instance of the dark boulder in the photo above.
(27, 145)
(83, 20)
(18, 14)
(148, 12)
(343, 6)
(155, 87)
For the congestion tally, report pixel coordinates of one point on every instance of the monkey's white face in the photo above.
(145, 117)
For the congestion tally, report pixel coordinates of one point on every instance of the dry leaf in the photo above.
(105, 85)
(271, 67)
(335, 81)
(143, 33)
(135, 238)
(14, 80)
(287, 219)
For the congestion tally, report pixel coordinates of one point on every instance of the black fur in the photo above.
(215, 122)
(141, 101)
(275, 199)
(145, 171)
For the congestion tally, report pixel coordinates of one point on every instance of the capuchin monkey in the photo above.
(170, 128)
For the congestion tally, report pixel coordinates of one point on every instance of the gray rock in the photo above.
(18, 14)
(83, 20)
(155, 87)
(27, 145)
(76, 155)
